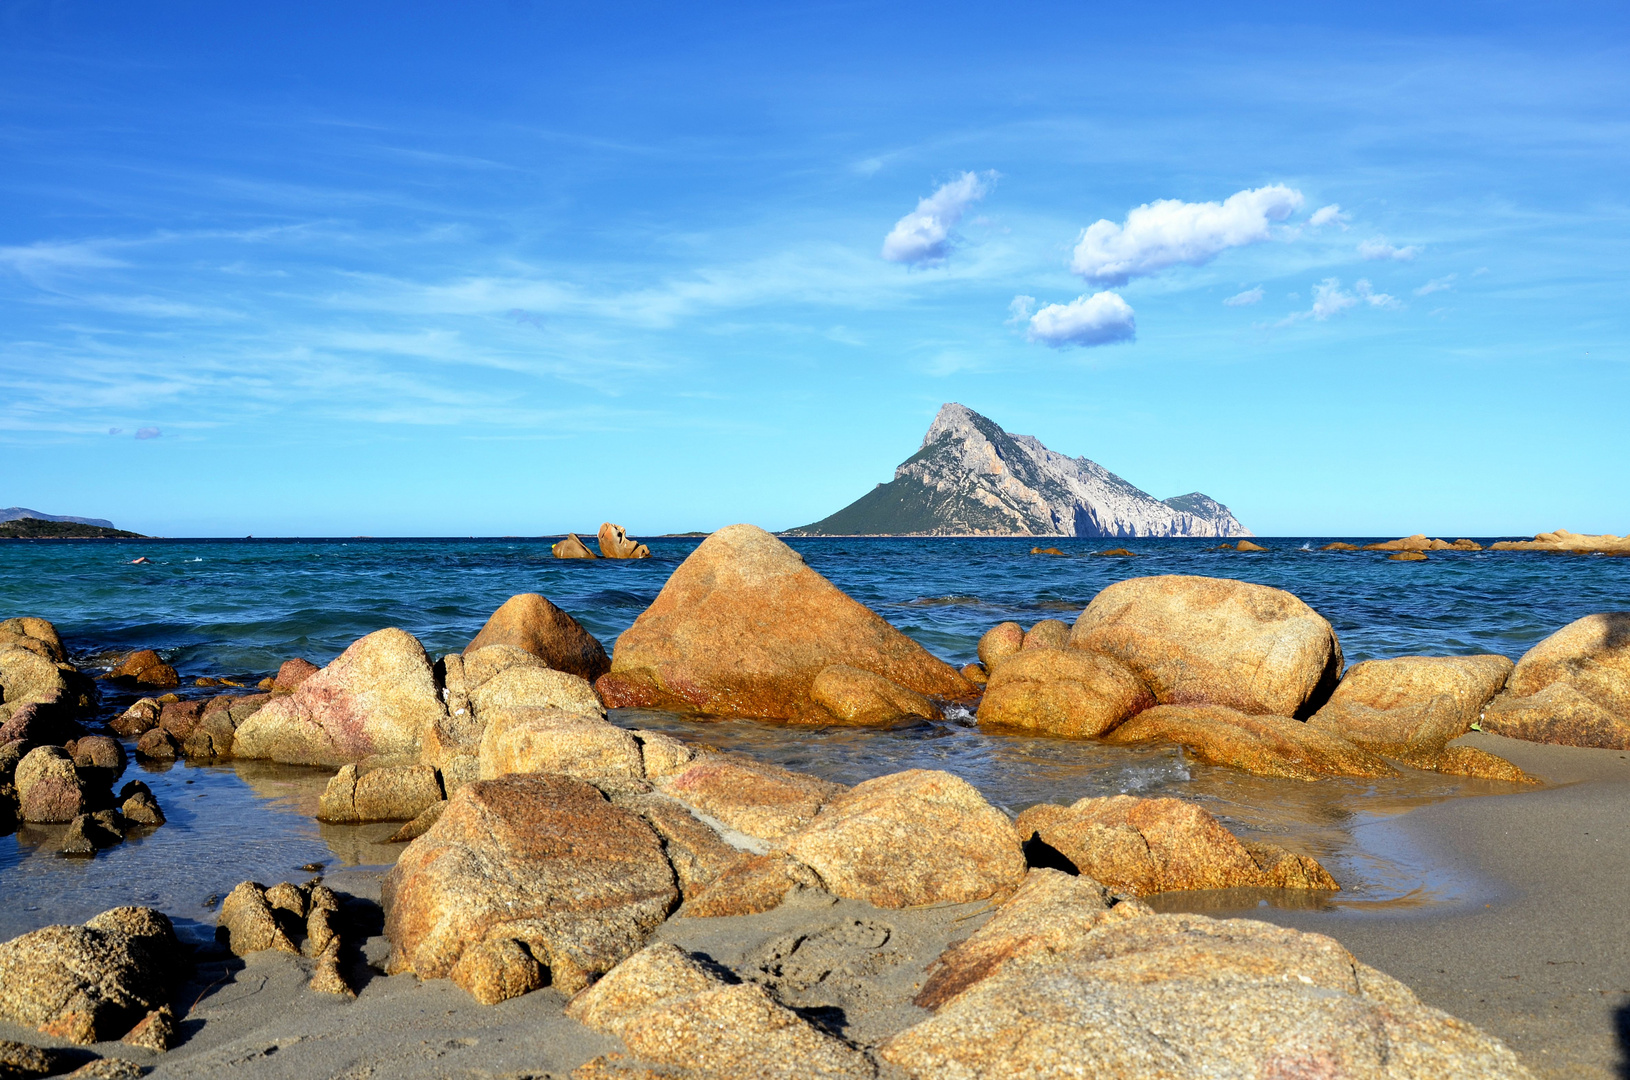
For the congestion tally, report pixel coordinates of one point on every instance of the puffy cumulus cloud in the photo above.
(1100, 319)
(1328, 215)
(1378, 249)
(1330, 300)
(1246, 298)
(924, 236)
(1167, 232)
(1436, 285)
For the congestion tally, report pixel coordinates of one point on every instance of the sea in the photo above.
(236, 609)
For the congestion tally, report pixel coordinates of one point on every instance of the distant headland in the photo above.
(21, 523)
(972, 478)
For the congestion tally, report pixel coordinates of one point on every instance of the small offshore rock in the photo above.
(572, 547)
(49, 788)
(1407, 556)
(146, 668)
(157, 745)
(615, 544)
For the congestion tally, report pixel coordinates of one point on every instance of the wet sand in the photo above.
(1538, 953)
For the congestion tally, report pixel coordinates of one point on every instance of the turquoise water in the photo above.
(239, 608)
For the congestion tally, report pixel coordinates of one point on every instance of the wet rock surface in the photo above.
(1263, 744)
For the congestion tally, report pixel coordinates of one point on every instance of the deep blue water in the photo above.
(239, 608)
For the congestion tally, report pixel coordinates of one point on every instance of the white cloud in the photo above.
(1330, 299)
(1020, 310)
(1436, 285)
(1169, 231)
(1246, 298)
(923, 237)
(1100, 319)
(1378, 249)
(74, 255)
(1324, 215)
(1366, 292)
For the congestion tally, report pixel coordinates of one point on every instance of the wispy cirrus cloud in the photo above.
(1170, 232)
(1328, 215)
(1330, 300)
(925, 236)
(1246, 298)
(1441, 284)
(1377, 250)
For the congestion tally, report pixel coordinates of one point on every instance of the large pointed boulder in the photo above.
(531, 623)
(744, 628)
(1572, 688)
(378, 697)
(1214, 641)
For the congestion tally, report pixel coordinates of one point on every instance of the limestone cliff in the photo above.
(971, 477)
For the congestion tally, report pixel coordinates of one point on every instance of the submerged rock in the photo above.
(1210, 641)
(1144, 846)
(1572, 688)
(1159, 996)
(543, 860)
(744, 628)
(1066, 692)
(1265, 745)
(531, 623)
(89, 983)
(911, 838)
(377, 698)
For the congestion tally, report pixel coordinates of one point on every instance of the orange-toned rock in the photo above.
(615, 544)
(378, 697)
(1045, 551)
(1470, 761)
(1340, 546)
(861, 698)
(911, 838)
(1406, 556)
(1213, 641)
(530, 740)
(1051, 911)
(146, 668)
(529, 622)
(743, 628)
(1411, 707)
(1265, 745)
(1066, 692)
(542, 860)
(1000, 642)
(292, 673)
(1418, 542)
(975, 673)
(1144, 846)
(1047, 634)
(1572, 688)
(1164, 996)
(572, 547)
(749, 884)
(752, 797)
(36, 635)
(1572, 542)
(1465, 545)
(1246, 545)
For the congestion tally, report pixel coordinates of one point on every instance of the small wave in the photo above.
(959, 714)
(940, 601)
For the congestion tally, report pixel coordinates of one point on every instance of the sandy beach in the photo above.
(1532, 951)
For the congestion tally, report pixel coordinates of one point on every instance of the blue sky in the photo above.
(515, 268)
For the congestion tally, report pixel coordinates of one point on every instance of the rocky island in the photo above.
(971, 478)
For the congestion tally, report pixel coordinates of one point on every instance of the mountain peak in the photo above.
(972, 478)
